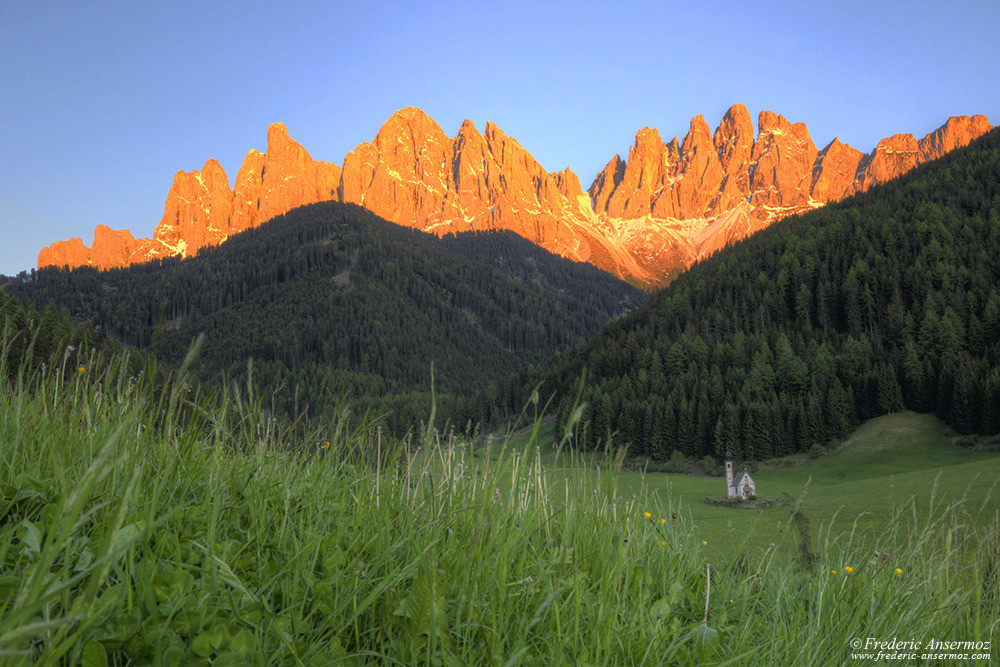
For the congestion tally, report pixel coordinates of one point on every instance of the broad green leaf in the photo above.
(220, 637)
(229, 659)
(30, 538)
(660, 610)
(94, 655)
(175, 655)
(706, 636)
(9, 582)
(203, 644)
(424, 603)
(706, 640)
(252, 612)
(125, 535)
(243, 643)
(676, 593)
(84, 560)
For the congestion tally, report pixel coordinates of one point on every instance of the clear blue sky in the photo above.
(103, 102)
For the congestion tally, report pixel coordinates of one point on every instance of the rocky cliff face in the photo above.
(71, 253)
(669, 204)
(835, 171)
(714, 190)
(196, 214)
(279, 180)
(416, 176)
(201, 210)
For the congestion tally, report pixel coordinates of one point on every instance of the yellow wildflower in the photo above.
(833, 572)
(899, 571)
(704, 543)
(326, 446)
(848, 569)
(648, 515)
(663, 520)
(663, 544)
(80, 369)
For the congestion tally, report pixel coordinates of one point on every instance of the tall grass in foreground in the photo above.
(145, 525)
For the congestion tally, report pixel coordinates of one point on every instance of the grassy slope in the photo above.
(880, 467)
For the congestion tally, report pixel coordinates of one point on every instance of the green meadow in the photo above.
(894, 461)
(891, 463)
(146, 522)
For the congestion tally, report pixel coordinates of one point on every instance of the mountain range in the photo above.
(643, 219)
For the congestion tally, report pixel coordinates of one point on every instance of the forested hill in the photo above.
(330, 299)
(890, 299)
(29, 340)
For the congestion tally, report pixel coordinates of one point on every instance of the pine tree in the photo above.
(890, 396)
(991, 403)
(813, 431)
(914, 380)
(839, 411)
(966, 400)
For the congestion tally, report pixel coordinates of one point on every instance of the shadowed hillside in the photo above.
(329, 300)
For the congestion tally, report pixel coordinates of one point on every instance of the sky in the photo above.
(103, 102)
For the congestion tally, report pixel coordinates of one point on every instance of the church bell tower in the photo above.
(729, 474)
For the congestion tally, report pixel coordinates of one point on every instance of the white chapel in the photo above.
(740, 486)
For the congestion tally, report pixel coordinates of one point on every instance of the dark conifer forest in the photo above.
(331, 303)
(31, 339)
(885, 301)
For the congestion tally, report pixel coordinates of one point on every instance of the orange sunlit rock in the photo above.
(957, 132)
(113, 248)
(667, 205)
(70, 253)
(201, 210)
(783, 159)
(834, 172)
(196, 213)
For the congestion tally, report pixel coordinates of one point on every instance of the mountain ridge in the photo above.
(666, 206)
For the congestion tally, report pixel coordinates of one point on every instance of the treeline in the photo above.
(29, 339)
(888, 300)
(331, 302)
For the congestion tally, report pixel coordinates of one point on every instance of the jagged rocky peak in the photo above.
(383, 176)
(291, 177)
(568, 183)
(71, 253)
(835, 171)
(606, 182)
(112, 247)
(698, 176)
(893, 156)
(201, 210)
(734, 141)
(667, 204)
(734, 137)
(649, 165)
(698, 137)
(957, 132)
(197, 211)
(783, 159)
